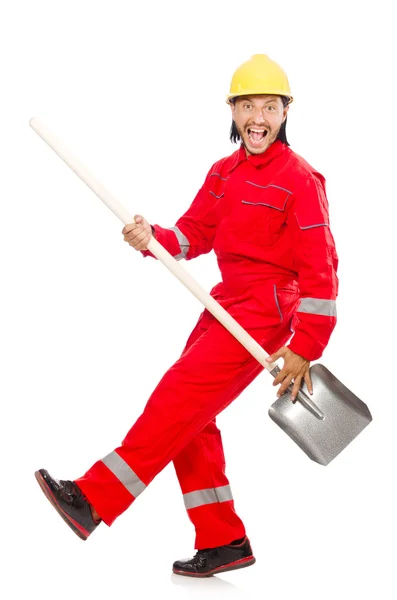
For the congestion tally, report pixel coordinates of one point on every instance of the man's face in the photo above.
(258, 119)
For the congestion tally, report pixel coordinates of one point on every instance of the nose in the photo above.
(259, 117)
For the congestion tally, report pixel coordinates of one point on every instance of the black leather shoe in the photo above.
(67, 498)
(210, 561)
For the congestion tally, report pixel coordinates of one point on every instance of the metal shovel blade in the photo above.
(344, 417)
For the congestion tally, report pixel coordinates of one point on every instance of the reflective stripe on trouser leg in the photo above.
(209, 496)
(203, 382)
(111, 481)
(124, 473)
(200, 468)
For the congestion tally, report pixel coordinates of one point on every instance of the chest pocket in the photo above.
(261, 213)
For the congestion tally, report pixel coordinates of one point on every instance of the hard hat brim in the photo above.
(256, 93)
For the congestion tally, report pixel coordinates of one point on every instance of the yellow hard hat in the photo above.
(259, 75)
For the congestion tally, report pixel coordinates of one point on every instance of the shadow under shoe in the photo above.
(211, 561)
(69, 501)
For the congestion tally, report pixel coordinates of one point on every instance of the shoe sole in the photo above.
(238, 564)
(78, 529)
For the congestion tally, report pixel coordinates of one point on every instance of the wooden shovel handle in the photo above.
(165, 257)
(157, 249)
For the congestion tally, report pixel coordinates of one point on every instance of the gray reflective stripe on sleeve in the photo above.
(124, 473)
(315, 306)
(209, 496)
(183, 243)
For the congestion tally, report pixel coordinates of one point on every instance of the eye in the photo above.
(247, 106)
(271, 108)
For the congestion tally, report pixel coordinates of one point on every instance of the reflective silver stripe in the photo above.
(124, 473)
(276, 299)
(315, 306)
(263, 204)
(316, 225)
(263, 187)
(183, 243)
(216, 195)
(220, 176)
(311, 226)
(209, 496)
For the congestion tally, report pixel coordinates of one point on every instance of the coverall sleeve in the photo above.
(316, 262)
(194, 232)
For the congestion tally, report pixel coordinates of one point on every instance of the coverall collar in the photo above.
(259, 160)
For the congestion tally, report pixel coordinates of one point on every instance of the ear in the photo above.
(285, 112)
(233, 109)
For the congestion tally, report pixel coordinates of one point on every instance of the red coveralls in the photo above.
(266, 218)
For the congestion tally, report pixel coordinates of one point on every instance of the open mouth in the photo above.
(257, 135)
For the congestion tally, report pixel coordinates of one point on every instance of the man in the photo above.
(263, 210)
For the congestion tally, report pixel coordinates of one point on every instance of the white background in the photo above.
(88, 327)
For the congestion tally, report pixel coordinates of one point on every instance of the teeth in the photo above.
(252, 130)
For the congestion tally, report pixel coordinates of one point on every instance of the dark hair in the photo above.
(282, 134)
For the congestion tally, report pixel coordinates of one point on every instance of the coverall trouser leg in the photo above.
(207, 494)
(213, 370)
(200, 468)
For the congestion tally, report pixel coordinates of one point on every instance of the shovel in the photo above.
(321, 425)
